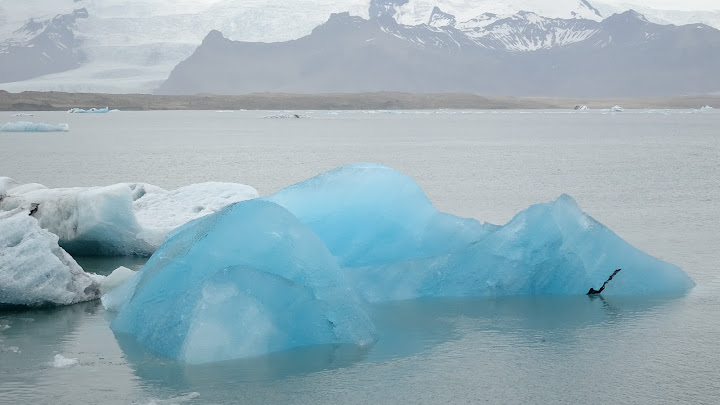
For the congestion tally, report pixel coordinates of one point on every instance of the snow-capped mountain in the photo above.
(524, 31)
(133, 45)
(42, 46)
(623, 55)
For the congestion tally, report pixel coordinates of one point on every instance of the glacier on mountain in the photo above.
(25, 126)
(293, 264)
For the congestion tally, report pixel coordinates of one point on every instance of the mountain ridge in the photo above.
(623, 55)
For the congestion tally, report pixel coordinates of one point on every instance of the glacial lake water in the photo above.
(652, 177)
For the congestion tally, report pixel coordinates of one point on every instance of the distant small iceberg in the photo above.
(581, 108)
(24, 126)
(90, 111)
(616, 108)
(23, 115)
(282, 116)
(706, 108)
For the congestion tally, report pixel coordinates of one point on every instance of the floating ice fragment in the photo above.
(61, 361)
(89, 111)
(34, 270)
(117, 278)
(123, 219)
(24, 126)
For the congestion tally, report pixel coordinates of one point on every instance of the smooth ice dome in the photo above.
(24, 126)
(369, 214)
(34, 270)
(118, 220)
(245, 281)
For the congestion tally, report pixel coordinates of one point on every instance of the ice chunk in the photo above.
(24, 126)
(117, 278)
(34, 270)
(371, 214)
(616, 108)
(61, 361)
(6, 184)
(548, 249)
(89, 111)
(88, 221)
(123, 219)
(247, 280)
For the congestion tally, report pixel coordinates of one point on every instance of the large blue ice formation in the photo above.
(548, 249)
(369, 214)
(395, 245)
(247, 280)
(283, 271)
(24, 126)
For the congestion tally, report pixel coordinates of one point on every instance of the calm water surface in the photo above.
(652, 178)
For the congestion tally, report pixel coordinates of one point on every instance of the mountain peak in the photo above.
(439, 18)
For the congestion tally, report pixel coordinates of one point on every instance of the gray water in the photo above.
(652, 178)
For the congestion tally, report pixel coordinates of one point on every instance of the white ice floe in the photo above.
(61, 361)
(122, 219)
(90, 111)
(25, 126)
(117, 278)
(34, 270)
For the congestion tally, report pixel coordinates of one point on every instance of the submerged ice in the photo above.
(291, 265)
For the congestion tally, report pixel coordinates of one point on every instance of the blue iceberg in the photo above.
(548, 249)
(369, 214)
(393, 244)
(245, 281)
(25, 126)
(286, 270)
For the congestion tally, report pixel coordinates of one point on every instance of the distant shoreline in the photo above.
(58, 101)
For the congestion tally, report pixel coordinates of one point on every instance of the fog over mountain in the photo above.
(524, 47)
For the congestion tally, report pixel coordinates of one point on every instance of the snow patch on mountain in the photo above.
(416, 12)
